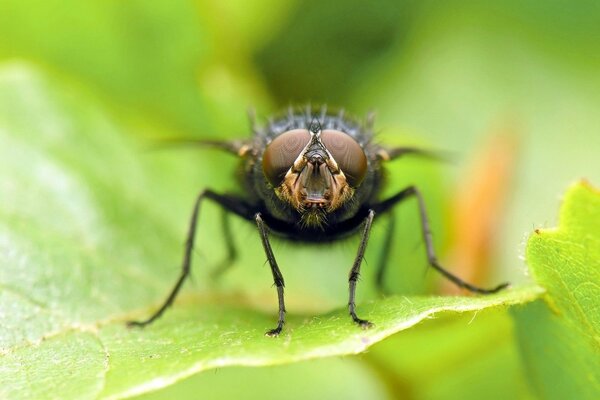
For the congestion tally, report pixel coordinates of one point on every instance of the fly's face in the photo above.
(314, 170)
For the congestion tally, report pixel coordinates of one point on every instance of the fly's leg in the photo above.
(387, 204)
(355, 271)
(385, 253)
(391, 154)
(228, 203)
(277, 276)
(236, 147)
(231, 251)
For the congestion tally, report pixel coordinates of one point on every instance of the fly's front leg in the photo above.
(355, 271)
(228, 203)
(412, 191)
(277, 276)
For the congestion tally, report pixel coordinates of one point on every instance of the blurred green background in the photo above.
(446, 75)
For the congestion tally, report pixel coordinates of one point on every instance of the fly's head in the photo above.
(314, 170)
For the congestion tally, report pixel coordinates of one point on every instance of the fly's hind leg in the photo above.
(228, 203)
(230, 249)
(382, 263)
(412, 191)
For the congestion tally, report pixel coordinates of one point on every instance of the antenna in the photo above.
(315, 126)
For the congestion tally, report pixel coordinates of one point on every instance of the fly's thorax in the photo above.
(315, 171)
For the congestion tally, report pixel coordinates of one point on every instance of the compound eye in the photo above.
(348, 154)
(280, 154)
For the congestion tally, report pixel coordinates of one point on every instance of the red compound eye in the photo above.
(280, 154)
(347, 153)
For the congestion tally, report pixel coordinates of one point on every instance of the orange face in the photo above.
(315, 171)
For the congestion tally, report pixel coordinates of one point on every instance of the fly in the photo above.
(312, 176)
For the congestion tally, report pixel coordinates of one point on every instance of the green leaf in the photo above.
(158, 61)
(90, 233)
(468, 357)
(467, 72)
(560, 338)
(331, 378)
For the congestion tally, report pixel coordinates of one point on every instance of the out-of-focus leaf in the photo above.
(323, 51)
(478, 208)
(162, 62)
(560, 339)
(467, 68)
(87, 238)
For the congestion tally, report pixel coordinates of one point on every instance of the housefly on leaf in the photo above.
(312, 176)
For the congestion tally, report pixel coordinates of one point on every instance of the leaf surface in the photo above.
(560, 338)
(89, 239)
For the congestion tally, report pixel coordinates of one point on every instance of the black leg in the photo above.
(385, 253)
(387, 204)
(397, 152)
(237, 147)
(277, 277)
(355, 271)
(229, 203)
(231, 255)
